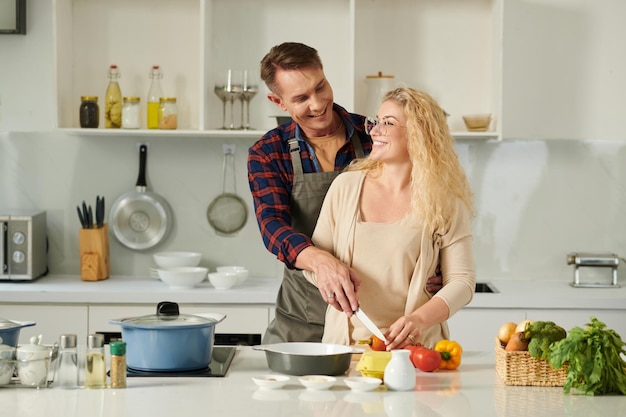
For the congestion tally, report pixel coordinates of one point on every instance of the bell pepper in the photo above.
(451, 353)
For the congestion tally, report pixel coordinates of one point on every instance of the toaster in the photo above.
(23, 246)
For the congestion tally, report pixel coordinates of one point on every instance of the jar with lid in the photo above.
(113, 100)
(131, 113)
(89, 113)
(66, 375)
(168, 114)
(118, 364)
(95, 365)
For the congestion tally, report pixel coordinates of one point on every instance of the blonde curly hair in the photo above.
(438, 180)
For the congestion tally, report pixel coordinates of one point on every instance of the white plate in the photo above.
(317, 382)
(271, 381)
(362, 383)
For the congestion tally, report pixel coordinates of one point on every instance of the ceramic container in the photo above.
(400, 372)
(32, 362)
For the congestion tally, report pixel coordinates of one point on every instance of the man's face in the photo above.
(308, 98)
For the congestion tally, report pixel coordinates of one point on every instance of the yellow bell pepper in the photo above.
(451, 353)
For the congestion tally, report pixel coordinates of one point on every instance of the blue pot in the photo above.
(10, 331)
(169, 341)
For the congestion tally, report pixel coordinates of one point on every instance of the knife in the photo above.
(369, 324)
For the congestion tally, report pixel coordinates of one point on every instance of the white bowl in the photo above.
(174, 259)
(363, 383)
(317, 382)
(223, 280)
(271, 381)
(241, 271)
(183, 277)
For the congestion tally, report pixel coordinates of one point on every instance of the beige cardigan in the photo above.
(335, 231)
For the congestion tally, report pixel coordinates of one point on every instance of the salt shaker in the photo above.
(67, 369)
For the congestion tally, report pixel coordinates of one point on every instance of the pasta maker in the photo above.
(593, 260)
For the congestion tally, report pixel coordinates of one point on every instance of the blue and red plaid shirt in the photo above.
(270, 175)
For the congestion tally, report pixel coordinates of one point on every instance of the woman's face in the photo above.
(389, 136)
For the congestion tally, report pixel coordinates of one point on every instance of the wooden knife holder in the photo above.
(94, 253)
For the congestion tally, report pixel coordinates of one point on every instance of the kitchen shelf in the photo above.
(219, 134)
(450, 49)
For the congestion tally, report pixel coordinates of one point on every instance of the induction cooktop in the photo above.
(221, 358)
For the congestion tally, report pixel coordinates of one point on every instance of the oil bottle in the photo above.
(154, 95)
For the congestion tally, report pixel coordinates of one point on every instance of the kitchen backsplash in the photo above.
(536, 201)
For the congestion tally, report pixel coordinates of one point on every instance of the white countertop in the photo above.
(474, 390)
(64, 289)
(549, 294)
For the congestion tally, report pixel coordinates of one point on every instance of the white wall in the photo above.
(536, 200)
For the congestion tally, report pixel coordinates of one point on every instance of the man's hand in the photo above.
(336, 282)
(435, 283)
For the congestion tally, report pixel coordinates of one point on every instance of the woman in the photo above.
(394, 216)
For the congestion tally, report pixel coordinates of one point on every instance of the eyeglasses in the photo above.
(383, 125)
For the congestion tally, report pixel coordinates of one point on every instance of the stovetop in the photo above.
(221, 358)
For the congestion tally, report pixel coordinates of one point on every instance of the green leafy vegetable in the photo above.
(595, 364)
(541, 335)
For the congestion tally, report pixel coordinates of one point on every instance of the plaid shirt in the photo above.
(270, 175)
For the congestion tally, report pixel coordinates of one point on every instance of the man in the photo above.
(289, 171)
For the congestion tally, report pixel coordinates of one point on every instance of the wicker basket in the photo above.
(519, 368)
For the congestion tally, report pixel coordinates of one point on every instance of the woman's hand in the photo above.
(403, 332)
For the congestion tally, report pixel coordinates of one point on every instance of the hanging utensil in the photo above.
(227, 213)
(141, 219)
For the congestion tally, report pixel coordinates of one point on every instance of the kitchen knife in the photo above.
(80, 217)
(369, 324)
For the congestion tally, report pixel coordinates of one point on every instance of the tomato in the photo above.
(377, 344)
(424, 359)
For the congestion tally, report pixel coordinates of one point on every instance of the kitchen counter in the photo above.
(549, 294)
(474, 390)
(66, 289)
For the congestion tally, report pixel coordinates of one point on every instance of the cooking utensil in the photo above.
(141, 219)
(308, 358)
(227, 213)
(168, 340)
(360, 314)
(10, 331)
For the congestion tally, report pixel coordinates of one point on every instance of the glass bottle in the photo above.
(113, 101)
(154, 95)
(131, 113)
(95, 365)
(168, 115)
(118, 364)
(66, 375)
(400, 372)
(89, 112)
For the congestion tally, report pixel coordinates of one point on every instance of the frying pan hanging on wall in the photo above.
(141, 219)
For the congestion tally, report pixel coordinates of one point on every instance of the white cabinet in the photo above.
(52, 320)
(476, 328)
(449, 48)
(241, 319)
(562, 77)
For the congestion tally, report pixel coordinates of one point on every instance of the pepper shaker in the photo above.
(67, 369)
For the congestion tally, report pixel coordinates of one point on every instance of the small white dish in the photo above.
(241, 271)
(271, 381)
(317, 382)
(223, 280)
(363, 383)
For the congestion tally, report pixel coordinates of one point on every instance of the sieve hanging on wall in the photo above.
(227, 213)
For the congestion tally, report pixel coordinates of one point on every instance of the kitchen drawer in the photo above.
(240, 319)
(52, 320)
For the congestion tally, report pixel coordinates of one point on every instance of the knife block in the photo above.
(94, 253)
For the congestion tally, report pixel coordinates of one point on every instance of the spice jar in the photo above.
(168, 117)
(66, 375)
(131, 113)
(89, 113)
(118, 364)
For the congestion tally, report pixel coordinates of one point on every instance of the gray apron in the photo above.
(300, 308)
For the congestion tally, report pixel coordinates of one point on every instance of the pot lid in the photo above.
(9, 324)
(168, 315)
